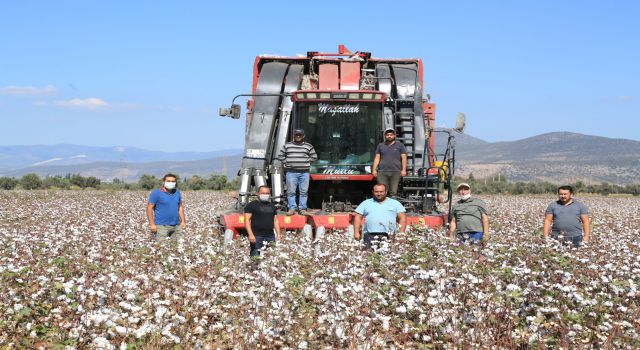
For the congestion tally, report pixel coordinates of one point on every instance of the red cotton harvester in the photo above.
(343, 101)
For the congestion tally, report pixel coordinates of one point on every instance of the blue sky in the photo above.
(152, 74)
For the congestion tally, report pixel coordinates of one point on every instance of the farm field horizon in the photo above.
(80, 269)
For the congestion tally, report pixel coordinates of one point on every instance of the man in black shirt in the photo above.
(261, 221)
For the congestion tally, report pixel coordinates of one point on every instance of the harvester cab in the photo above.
(344, 101)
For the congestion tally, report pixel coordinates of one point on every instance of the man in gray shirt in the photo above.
(469, 219)
(567, 219)
(390, 162)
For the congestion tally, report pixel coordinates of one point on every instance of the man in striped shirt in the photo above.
(296, 157)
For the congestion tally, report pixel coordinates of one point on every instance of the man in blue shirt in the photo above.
(567, 219)
(165, 210)
(382, 215)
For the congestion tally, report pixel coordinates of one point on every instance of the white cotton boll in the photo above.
(123, 331)
(513, 287)
(102, 344)
(160, 312)
(432, 301)
(401, 309)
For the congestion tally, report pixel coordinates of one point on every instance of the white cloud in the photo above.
(27, 90)
(91, 103)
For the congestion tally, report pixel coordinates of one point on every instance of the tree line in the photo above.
(499, 184)
(146, 182)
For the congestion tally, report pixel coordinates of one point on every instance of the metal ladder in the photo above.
(405, 128)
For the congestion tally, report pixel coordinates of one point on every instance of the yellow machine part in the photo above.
(444, 169)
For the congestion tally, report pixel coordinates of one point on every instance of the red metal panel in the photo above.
(335, 220)
(322, 177)
(291, 222)
(234, 222)
(349, 75)
(329, 79)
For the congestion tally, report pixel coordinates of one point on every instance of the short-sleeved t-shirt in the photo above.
(380, 216)
(167, 203)
(468, 215)
(566, 218)
(390, 156)
(262, 214)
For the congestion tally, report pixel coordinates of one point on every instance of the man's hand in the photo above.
(252, 239)
(375, 173)
(356, 236)
(278, 236)
(153, 228)
(183, 225)
(403, 173)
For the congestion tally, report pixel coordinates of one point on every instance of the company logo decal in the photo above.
(338, 109)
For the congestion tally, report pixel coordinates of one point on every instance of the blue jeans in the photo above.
(576, 241)
(472, 237)
(301, 182)
(254, 248)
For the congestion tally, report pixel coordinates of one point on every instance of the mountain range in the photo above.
(556, 157)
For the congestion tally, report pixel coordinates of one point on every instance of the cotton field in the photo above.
(80, 270)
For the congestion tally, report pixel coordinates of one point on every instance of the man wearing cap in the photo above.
(469, 219)
(296, 157)
(390, 162)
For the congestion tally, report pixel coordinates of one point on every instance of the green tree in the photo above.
(148, 182)
(56, 181)
(31, 181)
(216, 182)
(8, 183)
(196, 183)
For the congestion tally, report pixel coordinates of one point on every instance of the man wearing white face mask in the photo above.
(469, 219)
(260, 221)
(165, 210)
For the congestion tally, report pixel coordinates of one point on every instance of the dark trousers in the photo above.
(391, 179)
(261, 241)
(576, 241)
(374, 237)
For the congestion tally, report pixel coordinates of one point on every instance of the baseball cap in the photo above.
(298, 132)
(463, 184)
(390, 130)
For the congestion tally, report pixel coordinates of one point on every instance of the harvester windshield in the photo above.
(344, 134)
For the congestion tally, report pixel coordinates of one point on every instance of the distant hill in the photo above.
(555, 157)
(16, 157)
(131, 172)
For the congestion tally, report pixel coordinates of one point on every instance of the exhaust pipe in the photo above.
(277, 185)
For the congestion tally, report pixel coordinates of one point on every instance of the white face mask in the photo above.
(264, 197)
(169, 185)
(466, 196)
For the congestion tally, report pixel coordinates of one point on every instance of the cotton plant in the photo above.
(79, 269)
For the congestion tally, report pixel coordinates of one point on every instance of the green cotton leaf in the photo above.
(25, 312)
